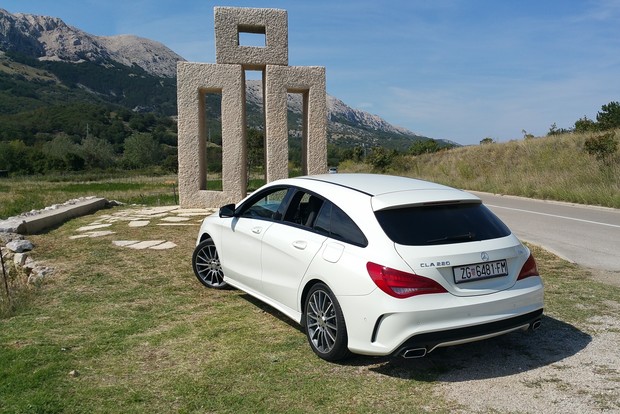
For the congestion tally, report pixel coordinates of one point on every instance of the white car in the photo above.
(374, 264)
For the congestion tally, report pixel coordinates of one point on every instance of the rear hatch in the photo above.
(457, 242)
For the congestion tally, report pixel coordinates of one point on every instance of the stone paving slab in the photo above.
(163, 246)
(145, 244)
(142, 217)
(175, 219)
(93, 234)
(124, 243)
(94, 227)
(139, 223)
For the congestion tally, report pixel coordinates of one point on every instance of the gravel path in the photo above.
(571, 371)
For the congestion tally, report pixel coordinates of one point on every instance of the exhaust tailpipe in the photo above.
(414, 353)
(536, 325)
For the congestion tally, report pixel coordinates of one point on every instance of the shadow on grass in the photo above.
(272, 311)
(492, 358)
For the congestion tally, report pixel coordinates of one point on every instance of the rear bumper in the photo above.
(434, 320)
(431, 340)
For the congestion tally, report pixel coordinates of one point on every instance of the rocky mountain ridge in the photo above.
(49, 38)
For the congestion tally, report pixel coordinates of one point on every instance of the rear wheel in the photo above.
(324, 324)
(206, 265)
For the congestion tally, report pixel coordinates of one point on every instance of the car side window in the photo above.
(303, 209)
(334, 223)
(267, 206)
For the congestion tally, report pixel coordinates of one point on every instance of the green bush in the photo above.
(601, 146)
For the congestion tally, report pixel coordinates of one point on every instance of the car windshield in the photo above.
(441, 224)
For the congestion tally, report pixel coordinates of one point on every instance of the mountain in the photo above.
(346, 126)
(49, 38)
(66, 63)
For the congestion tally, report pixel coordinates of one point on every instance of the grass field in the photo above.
(127, 330)
(22, 194)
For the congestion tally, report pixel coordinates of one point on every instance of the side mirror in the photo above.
(227, 211)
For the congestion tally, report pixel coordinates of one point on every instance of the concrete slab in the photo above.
(45, 220)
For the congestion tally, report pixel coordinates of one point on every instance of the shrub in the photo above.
(601, 146)
(585, 125)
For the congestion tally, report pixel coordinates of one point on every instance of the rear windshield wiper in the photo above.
(453, 238)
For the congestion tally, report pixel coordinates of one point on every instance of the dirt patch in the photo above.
(558, 369)
(606, 276)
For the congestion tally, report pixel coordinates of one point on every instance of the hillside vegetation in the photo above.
(559, 167)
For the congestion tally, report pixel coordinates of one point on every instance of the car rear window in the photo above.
(334, 223)
(441, 224)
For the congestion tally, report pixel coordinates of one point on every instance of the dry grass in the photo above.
(555, 167)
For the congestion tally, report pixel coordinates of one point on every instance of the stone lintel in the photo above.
(230, 21)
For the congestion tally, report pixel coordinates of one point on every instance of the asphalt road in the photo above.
(586, 235)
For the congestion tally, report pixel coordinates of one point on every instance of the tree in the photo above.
(527, 135)
(424, 147)
(487, 141)
(585, 125)
(97, 153)
(609, 116)
(256, 150)
(15, 157)
(554, 130)
(60, 146)
(63, 154)
(141, 150)
(380, 158)
(358, 153)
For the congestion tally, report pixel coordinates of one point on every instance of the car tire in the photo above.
(207, 266)
(324, 324)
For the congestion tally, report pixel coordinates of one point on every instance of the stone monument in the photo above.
(227, 77)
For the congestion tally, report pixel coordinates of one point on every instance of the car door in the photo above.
(242, 244)
(288, 248)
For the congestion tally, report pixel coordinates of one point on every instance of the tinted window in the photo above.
(441, 224)
(334, 223)
(303, 209)
(266, 205)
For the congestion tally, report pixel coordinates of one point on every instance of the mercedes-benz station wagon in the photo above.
(374, 264)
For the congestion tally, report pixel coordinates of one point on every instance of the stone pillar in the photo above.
(309, 81)
(194, 80)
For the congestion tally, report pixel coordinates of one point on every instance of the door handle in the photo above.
(300, 244)
(257, 230)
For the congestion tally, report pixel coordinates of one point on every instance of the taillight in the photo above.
(529, 268)
(401, 284)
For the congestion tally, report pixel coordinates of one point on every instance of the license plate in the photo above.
(479, 271)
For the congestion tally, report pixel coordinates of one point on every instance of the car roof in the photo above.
(376, 184)
(389, 191)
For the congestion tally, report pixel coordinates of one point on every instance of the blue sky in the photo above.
(461, 70)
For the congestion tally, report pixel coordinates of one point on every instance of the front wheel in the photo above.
(324, 324)
(206, 265)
